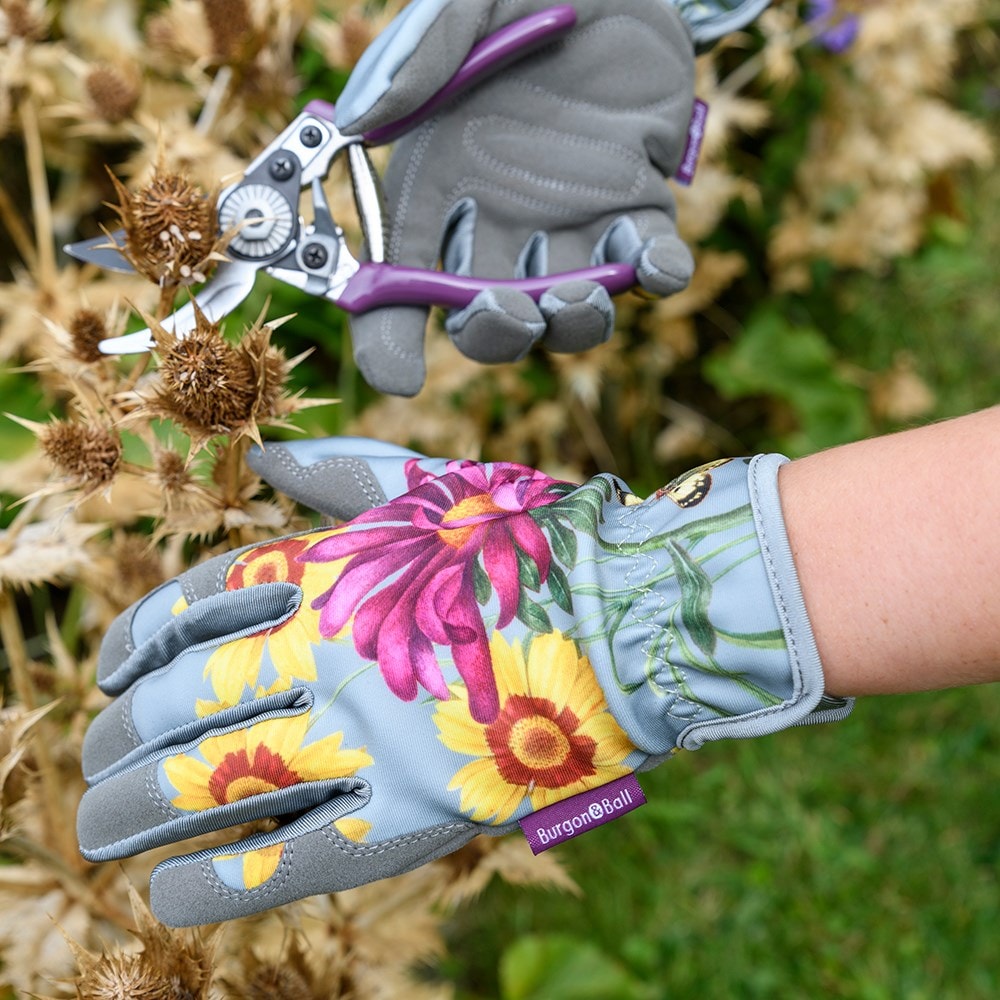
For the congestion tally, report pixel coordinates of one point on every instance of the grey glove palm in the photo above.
(557, 162)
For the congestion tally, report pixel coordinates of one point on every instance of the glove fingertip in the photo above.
(499, 326)
(388, 348)
(665, 266)
(580, 316)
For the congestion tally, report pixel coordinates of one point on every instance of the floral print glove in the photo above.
(476, 643)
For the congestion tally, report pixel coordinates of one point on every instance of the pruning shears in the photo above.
(263, 212)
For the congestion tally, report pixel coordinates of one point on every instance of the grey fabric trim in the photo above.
(808, 703)
(116, 646)
(131, 806)
(107, 832)
(109, 738)
(499, 325)
(186, 891)
(580, 315)
(340, 487)
(389, 348)
(228, 615)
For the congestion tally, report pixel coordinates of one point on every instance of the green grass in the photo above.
(856, 860)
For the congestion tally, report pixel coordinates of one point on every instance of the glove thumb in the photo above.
(409, 62)
(340, 477)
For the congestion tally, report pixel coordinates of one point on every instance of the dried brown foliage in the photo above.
(174, 100)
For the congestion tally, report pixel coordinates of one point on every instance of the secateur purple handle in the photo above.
(376, 285)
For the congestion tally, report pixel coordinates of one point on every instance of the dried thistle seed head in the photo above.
(271, 370)
(114, 92)
(86, 330)
(290, 976)
(138, 567)
(173, 965)
(171, 228)
(172, 472)
(231, 29)
(22, 19)
(274, 982)
(89, 455)
(122, 977)
(204, 383)
(210, 386)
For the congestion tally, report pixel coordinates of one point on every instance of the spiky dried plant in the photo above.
(210, 81)
(171, 231)
(89, 456)
(209, 385)
(171, 965)
(87, 328)
(114, 92)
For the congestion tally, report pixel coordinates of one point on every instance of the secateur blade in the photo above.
(102, 251)
(231, 283)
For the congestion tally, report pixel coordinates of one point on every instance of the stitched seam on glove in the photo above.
(541, 134)
(753, 481)
(342, 843)
(126, 716)
(402, 209)
(470, 185)
(663, 106)
(366, 483)
(281, 875)
(157, 798)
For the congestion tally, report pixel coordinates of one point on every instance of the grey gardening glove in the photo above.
(555, 163)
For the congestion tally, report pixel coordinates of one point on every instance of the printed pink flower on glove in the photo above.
(411, 579)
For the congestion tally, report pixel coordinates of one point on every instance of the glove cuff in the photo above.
(704, 633)
(808, 702)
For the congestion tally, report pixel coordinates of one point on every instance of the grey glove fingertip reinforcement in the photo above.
(479, 644)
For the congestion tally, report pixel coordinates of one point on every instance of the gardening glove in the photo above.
(479, 646)
(555, 163)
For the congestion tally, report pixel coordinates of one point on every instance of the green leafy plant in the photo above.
(794, 367)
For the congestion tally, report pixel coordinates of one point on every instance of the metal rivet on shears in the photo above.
(281, 168)
(314, 255)
(311, 136)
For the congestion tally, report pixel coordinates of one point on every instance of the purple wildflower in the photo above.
(837, 30)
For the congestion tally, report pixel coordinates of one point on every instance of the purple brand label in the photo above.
(571, 817)
(696, 135)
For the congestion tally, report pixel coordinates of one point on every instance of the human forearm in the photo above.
(897, 546)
